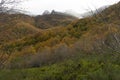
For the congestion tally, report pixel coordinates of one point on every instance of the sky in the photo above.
(78, 6)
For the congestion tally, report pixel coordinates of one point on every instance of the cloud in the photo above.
(38, 6)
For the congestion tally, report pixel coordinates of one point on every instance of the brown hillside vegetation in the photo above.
(18, 27)
(15, 26)
(99, 33)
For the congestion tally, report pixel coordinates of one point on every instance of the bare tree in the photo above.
(8, 5)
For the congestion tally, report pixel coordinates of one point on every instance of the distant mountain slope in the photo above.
(53, 19)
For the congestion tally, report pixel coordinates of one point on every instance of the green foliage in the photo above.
(83, 66)
(81, 25)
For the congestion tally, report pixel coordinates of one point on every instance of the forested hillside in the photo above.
(60, 47)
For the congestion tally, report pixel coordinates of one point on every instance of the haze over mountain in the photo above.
(92, 12)
(79, 6)
(88, 12)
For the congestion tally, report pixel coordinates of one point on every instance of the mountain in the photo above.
(53, 19)
(17, 26)
(87, 48)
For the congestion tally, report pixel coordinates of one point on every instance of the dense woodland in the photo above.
(57, 46)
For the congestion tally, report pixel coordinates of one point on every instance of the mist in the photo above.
(77, 6)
